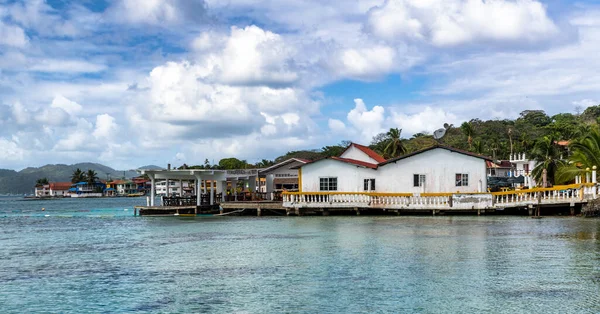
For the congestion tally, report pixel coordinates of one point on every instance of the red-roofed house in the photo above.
(53, 189)
(362, 153)
(437, 169)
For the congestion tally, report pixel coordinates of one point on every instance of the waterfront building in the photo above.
(53, 189)
(85, 189)
(523, 167)
(173, 187)
(280, 177)
(438, 169)
(500, 168)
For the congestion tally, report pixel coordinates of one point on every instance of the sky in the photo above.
(128, 83)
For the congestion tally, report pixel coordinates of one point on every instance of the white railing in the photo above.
(555, 195)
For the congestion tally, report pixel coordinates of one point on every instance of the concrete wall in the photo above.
(357, 154)
(439, 166)
(350, 177)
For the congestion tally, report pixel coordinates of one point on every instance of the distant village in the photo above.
(284, 176)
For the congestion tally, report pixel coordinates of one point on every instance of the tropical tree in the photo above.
(91, 176)
(394, 147)
(467, 129)
(585, 153)
(547, 155)
(41, 181)
(78, 176)
(478, 147)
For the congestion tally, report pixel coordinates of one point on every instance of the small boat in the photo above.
(138, 194)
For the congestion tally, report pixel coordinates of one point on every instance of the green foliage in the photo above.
(302, 154)
(548, 156)
(467, 129)
(91, 176)
(394, 145)
(537, 118)
(585, 154)
(78, 176)
(41, 181)
(232, 163)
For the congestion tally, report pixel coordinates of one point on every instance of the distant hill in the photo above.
(151, 167)
(22, 182)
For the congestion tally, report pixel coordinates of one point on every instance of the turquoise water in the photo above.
(93, 256)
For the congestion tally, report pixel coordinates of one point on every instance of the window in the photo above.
(328, 184)
(462, 179)
(418, 180)
(369, 184)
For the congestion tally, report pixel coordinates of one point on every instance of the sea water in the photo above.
(94, 256)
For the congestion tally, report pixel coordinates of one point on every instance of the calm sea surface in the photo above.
(93, 256)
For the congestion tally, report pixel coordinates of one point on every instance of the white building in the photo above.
(523, 167)
(54, 189)
(438, 169)
(281, 176)
(174, 188)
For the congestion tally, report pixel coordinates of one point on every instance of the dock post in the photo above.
(297, 211)
(357, 211)
(258, 212)
(478, 212)
(196, 210)
(433, 212)
(134, 211)
(530, 208)
(287, 211)
(325, 212)
(572, 208)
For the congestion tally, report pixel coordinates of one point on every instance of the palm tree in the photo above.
(478, 147)
(394, 147)
(467, 129)
(585, 153)
(77, 176)
(91, 176)
(510, 131)
(547, 156)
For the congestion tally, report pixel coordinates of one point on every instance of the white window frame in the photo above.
(463, 181)
(369, 184)
(329, 186)
(422, 179)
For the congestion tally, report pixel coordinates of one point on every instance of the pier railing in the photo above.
(575, 193)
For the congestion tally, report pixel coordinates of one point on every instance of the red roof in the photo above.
(367, 151)
(356, 162)
(60, 186)
(452, 149)
(499, 164)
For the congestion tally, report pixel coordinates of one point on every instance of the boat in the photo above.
(138, 194)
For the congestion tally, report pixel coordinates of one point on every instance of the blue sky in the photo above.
(135, 82)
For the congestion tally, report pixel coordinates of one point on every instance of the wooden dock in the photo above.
(258, 208)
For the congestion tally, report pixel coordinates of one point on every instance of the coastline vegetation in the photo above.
(565, 144)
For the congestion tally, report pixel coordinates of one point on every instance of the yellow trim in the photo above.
(299, 180)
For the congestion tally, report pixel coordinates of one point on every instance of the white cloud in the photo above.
(246, 56)
(12, 35)
(158, 12)
(454, 22)
(368, 123)
(424, 119)
(106, 128)
(67, 105)
(66, 66)
(336, 126)
(367, 63)
(10, 151)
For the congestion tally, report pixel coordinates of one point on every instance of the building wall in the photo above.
(439, 166)
(357, 154)
(350, 177)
